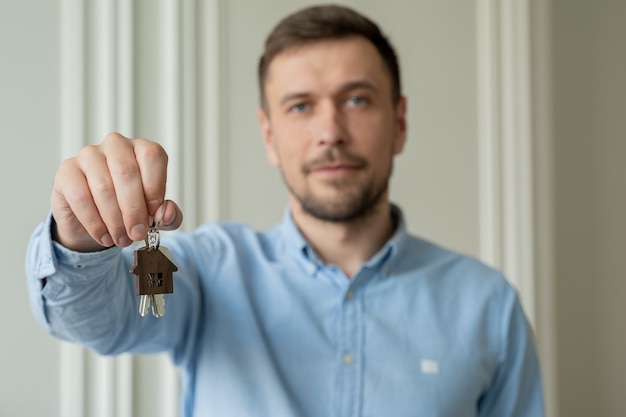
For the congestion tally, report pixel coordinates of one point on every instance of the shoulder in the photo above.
(430, 258)
(450, 274)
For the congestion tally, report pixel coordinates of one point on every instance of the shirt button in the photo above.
(348, 359)
(311, 268)
(350, 295)
(79, 266)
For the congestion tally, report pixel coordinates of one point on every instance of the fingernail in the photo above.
(138, 231)
(153, 205)
(170, 221)
(124, 240)
(106, 240)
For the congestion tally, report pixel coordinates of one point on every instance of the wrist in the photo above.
(83, 244)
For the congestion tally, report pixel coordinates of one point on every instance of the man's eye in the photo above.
(356, 101)
(299, 108)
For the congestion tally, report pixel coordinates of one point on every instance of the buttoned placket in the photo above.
(349, 356)
(348, 390)
(351, 350)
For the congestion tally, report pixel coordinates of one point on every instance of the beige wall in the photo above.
(589, 67)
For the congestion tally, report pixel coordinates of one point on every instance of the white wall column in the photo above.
(514, 226)
(505, 143)
(99, 94)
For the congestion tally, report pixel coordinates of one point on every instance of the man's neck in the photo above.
(346, 244)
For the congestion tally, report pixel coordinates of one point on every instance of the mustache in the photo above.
(334, 156)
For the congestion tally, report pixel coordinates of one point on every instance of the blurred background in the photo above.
(516, 151)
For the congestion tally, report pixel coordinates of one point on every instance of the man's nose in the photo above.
(330, 126)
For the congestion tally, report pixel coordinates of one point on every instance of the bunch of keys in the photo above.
(154, 272)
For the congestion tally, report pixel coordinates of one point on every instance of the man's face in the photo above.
(331, 126)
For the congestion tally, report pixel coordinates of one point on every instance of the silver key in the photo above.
(144, 304)
(158, 305)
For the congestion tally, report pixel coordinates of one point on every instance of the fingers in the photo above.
(152, 164)
(108, 194)
(118, 190)
(79, 225)
(94, 167)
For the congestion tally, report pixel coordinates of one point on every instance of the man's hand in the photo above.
(108, 194)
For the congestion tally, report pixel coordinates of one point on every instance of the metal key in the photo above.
(153, 269)
(158, 305)
(144, 304)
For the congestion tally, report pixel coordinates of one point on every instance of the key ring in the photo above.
(153, 239)
(163, 207)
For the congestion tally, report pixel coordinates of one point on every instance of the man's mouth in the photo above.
(335, 163)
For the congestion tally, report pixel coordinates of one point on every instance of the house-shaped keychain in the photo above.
(153, 272)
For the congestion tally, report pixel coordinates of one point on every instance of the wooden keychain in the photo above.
(153, 272)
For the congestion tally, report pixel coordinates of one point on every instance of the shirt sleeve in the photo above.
(89, 298)
(516, 389)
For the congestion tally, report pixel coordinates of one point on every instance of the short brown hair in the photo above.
(326, 22)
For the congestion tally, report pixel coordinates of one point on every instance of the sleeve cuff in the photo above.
(46, 258)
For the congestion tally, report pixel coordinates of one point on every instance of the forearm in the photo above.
(81, 297)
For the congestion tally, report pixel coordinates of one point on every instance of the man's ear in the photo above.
(400, 135)
(268, 137)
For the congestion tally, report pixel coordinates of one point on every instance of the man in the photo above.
(336, 311)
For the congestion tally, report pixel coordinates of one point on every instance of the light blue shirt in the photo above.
(259, 326)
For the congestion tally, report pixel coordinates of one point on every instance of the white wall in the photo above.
(183, 73)
(29, 145)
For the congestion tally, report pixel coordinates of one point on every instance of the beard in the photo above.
(355, 200)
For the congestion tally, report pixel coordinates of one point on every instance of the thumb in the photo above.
(168, 216)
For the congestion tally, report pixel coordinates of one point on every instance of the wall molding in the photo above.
(505, 143)
(515, 205)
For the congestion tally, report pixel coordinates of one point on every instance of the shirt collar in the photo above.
(294, 241)
(290, 232)
(388, 253)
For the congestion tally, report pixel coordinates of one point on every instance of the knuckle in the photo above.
(125, 170)
(77, 196)
(94, 225)
(113, 142)
(113, 137)
(151, 152)
(88, 152)
(65, 169)
(103, 186)
(134, 212)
